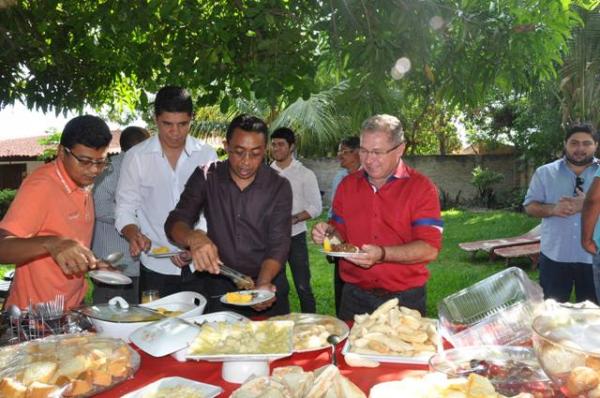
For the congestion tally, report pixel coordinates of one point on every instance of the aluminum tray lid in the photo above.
(112, 313)
(165, 336)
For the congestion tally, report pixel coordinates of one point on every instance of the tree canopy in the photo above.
(340, 60)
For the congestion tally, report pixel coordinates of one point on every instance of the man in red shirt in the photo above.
(392, 213)
(47, 230)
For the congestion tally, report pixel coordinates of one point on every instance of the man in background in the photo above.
(306, 204)
(349, 162)
(556, 195)
(107, 239)
(153, 176)
(48, 228)
(391, 213)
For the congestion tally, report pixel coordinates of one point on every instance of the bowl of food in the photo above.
(510, 369)
(567, 345)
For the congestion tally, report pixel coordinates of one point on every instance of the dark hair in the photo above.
(86, 130)
(132, 135)
(247, 123)
(351, 142)
(173, 99)
(285, 133)
(582, 128)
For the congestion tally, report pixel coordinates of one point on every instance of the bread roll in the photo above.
(581, 379)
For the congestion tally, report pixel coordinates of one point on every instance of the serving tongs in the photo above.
(241, 281)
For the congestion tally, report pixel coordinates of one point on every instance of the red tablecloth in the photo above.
(152, 369)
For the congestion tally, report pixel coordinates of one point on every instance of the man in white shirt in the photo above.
(306, 205)
(153, 176)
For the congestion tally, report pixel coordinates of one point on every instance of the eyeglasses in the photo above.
(87, 163)
(345, 151)
(578, 185)
(242, 154)
(376, 153)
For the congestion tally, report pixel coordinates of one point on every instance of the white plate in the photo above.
(164, 255)
(423, 360)
(260, 297)
(206, 390)
(342, 254)
(221, 316)
(165, 336)
(250, 357)
(110, 277)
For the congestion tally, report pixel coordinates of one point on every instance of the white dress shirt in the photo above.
(149, 189)
(305, 192)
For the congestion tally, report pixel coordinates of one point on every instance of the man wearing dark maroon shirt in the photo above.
(247, 206)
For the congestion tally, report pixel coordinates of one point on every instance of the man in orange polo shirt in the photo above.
(48, 228)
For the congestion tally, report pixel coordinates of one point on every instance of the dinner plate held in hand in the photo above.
(342, 254)
(110, 277)
(258, 297)
(164, 255)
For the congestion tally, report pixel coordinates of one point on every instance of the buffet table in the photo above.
(152, 369)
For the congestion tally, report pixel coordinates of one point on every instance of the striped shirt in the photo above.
(106, 238)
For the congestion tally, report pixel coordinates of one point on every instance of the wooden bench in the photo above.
(490, 245)
(531, 250)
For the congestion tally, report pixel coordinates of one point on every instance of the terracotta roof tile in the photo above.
(30, 146)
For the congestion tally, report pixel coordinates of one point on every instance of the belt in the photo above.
(379, 292)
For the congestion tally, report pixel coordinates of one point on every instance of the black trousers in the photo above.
(338, 285)
(359, 301)
(171, 284)
(300, 267)
(218, 285)
(558, 279)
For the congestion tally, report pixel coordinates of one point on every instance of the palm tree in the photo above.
(580, 74)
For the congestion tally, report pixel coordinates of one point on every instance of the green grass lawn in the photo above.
(453, 270)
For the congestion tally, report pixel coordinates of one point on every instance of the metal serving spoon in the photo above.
(113, 258)
(333, 339)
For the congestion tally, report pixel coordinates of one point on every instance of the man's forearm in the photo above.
(299, 217)
(15, 250)
(540, 210)
(180, 233)
(589, 218)
(411, 253)
(268, 271)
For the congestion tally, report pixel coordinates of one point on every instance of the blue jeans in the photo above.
(558, 279)
(298, 260)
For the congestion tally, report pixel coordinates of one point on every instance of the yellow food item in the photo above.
(243, 338)
(326, 244)
(160, 250)
(238, 298)
(169, 313)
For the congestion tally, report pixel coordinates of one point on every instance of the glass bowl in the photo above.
(512, 370)
(567, 345)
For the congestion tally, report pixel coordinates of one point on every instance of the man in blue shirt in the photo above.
(556, 194)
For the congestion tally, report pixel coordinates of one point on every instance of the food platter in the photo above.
(311, 330)
(418, 360)
(342, 254)
(110, 277)
(257, 297)
(174, 386)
